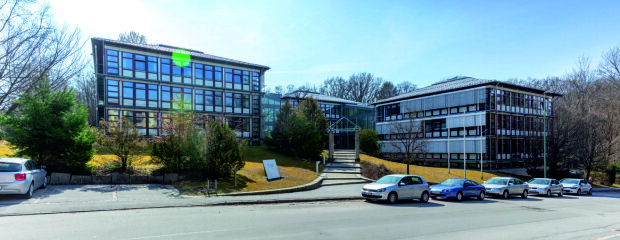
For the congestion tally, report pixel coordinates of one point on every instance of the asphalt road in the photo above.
(568, 217)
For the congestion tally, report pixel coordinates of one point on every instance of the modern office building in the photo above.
(334, 109)
(495, 123)
(145, 82)
(270, 109)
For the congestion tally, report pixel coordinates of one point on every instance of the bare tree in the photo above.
(363, 87)
(610, 67)
(405, 87)
(132, 37)
(335, 87)
(290, 88)
(278, 90)
(32, 47)
(407, 138)
(85, 86)
(387, 90)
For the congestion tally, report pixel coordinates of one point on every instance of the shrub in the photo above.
(374, 171)
(369, 142)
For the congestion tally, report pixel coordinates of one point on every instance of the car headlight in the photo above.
(381, 190)
(447, 190)
(574, 187)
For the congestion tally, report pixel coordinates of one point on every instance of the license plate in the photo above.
(435, 192)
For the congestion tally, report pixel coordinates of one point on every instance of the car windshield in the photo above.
(540, 181)
(570, 181)
(453, 182)
(10, 167)
(498, 181)
(388, 180)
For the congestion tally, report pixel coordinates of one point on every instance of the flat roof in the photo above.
(321, 97)
(171, 49)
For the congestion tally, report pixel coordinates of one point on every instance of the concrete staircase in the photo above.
(342, 170)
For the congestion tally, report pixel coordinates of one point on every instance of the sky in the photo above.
(306, 42)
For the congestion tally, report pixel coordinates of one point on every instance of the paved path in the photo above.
(85, 198)
(342, 170)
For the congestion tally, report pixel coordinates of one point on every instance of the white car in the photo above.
(576, 186)
(21, 176)
(545, 186)
(395, 187)
(506, 186)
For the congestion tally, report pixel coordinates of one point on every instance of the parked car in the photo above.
(21, 176)
(458, 189)
(545, 186)
(506, 186)
(576, 186)
(396, 187)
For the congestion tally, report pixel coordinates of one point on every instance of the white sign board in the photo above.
(271, 169)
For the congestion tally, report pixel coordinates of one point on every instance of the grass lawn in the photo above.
(431, 174)
(252, 176)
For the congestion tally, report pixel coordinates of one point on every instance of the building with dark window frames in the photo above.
(143, 83)
(334, 109)
(500, 122)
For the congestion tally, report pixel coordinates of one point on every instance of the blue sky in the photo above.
(417, 41)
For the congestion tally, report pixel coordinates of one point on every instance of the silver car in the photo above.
(21, 176)
(396, 187)
(506, 186)
(576, 186)
(545, 186)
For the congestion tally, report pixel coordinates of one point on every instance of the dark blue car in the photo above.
(458, 189)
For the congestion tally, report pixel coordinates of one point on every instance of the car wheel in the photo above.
(459, 196)
(28, 194)
(524, 194)
(44, 182)
(424, 197)
(392, 198)
(548, 193)
(505, 194)
(481, 195)
(578, 191)
(590, 191)
(561, 193)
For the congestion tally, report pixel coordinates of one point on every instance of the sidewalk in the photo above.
(86, 198)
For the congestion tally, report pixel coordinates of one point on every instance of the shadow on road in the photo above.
(407, 203)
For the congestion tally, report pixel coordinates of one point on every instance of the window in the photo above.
(128, 95)
(218, 75)
(153, 122)
(208, 72)
(209, 100)
(113, 115)
(255, 104)
(112, 61)
(246, 103)
(246, 80)
(112, 92)
(199, 70)
(165, 66)
(166, 99)
(454, 110)
(187, 74)
(187, 98)
(237, 79)
(152, 64)
(140, 62)
(141, 91)
(229, 100)
(255, 81)
(237, 100)
(471, 108)
(127, 61)
(199, 100)
(218, 99)
(152, 96)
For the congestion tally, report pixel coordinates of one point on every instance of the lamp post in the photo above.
(545, 134)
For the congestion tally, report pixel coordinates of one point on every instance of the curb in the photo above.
(605, 189)
(316, 183)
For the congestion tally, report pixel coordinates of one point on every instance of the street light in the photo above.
(545, 134)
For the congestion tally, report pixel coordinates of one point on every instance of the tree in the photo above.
(278, 90)
(86, 91)
(51, 128)
(121, 138)
(406, 87)
(335, 87)
(363, 87)
(32, 47)
(132, 37)
(409, 139)
(224, 153)
(281, 136)
(369, 142)
(314, 138)
(386, 91)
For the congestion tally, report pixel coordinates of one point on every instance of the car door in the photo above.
(520, 186)
(34, 171)
(472, 188)
(418, 187)
(405, 191)
(512, 187)
(555, 186)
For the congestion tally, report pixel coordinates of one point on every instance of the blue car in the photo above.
(458, 189)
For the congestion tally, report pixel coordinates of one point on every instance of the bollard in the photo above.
(216, 186)
(323, 158)
(235, 169)
(317, 167)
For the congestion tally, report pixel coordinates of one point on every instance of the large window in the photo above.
(140, 62)
(112, 61)
(199, 102)
(152, 96)
(255, 81)
(218, 76)
(152, 64)
(139, 95)
(218, 101)
(208, 76)
(165, 69)
(199, 69)
(229, 102)
(229, 78)
(112, 92)
(237, 79)
(209, 101)
(246, 81)
(255, 104)
(187, 74)
(166, 99)
(127, 61)
(128, 95)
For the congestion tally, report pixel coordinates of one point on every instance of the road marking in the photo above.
(609, 237)
(167, 236)
(115, 194)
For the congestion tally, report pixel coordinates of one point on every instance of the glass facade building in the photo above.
(145, 82)
(496, 123)
(334, 109)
